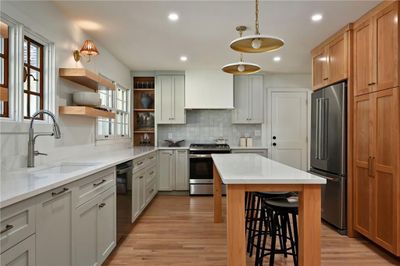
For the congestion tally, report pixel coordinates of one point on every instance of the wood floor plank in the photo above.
(180, 231)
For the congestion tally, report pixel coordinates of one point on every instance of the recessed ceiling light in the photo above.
(277, 58)
(183, 58)
(173, 17)
(316, 17)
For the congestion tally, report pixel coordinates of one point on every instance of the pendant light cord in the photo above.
(257, 23)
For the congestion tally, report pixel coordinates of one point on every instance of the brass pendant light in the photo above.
(257, 43)
(241, 67)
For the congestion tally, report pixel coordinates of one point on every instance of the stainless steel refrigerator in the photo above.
(328, 151)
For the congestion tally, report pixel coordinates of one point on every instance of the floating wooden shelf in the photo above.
(142, 89)
(144, 131)
(3, 94)
(85, 111)
(85, 78)
(143, 110)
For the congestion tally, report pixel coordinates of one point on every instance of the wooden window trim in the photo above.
(40, 69)
(5, 56)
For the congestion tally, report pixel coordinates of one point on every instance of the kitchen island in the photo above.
(252, 172)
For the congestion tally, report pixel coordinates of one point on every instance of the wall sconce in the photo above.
(88, 49)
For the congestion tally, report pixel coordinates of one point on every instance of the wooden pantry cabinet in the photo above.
(376, 49)
(376, 133)
(376, 167)
(330, 60)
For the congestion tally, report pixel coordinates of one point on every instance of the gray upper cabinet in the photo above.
(248, 100)
(170, 99)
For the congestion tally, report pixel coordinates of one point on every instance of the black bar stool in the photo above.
(253, 214)
(279, 217)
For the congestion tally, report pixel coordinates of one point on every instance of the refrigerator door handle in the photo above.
(324, 134)
(317, 115)
(319, 128)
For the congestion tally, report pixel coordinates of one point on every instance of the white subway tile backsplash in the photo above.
(204, 126)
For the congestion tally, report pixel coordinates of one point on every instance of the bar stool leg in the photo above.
(254, 225)
(296, 240)
(275, 222)
(259, 247)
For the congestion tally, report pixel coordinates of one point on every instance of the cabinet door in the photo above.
(387, 49)
(362, 58)
(362, 175)
(164, 99)
(256, 97)
(179, 100)
(181, 168)
(22, 254)
(240, 115)
(337, 51)
(385, 108)
(319, 69)
(137, 193)
(107, 224)
(166, 171)
(53, 228)
(85, 233)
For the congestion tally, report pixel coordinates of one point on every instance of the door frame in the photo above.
(267, 127)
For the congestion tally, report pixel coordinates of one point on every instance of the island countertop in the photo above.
(256, 169)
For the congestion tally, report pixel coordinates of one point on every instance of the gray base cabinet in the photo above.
(138, 193)
(95, 229)
(53, 228)
(173, 170)
(22, 254)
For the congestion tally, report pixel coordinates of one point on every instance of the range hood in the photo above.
(208, 89)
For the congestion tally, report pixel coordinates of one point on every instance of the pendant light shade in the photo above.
(241, 68)
(257, 43)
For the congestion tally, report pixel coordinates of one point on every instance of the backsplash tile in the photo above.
(204, 126)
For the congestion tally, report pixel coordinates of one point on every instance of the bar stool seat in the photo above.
(282, 224)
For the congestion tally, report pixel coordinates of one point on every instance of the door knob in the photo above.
(274, 144)
(274, 137)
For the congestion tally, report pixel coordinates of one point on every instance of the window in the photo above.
(33, 77)
(105, 126)
(122, 112)
(119, 102)
(4, 68)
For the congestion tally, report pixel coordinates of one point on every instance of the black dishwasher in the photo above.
(124, 199)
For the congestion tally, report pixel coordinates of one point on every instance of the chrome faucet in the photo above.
(32, 137)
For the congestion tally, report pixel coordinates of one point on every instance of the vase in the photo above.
(146, 100)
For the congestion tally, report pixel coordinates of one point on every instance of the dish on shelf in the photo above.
(144, 120)
(86, 98)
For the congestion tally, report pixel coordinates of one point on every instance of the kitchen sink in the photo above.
(62, 168)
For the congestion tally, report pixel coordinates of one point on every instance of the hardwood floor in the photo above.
(179, 231)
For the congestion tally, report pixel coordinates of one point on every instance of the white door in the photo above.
(289, 123)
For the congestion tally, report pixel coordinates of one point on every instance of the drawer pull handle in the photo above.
(371, 83)
(102, 205)
(139, 163)
(59, 192)
(151, 158)
(152, 172)
(8, 228)
(140, 177)
(98, 184)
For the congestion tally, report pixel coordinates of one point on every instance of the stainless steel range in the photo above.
(201, 167)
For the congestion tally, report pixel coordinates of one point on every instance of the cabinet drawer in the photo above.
(17, 223)
(91, 186)
(139, 163)
(151, 158)
(151, 175)
(151, 191)
(21, 254)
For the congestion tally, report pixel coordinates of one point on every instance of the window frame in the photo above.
(113, 123)
(39, 69)
(6, 57)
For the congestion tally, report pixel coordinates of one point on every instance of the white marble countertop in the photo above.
(20, 185)
(256, 169)
(173, 148)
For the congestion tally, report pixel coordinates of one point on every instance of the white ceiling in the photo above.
(139, 34)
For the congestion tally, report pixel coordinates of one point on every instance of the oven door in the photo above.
(201, 168)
